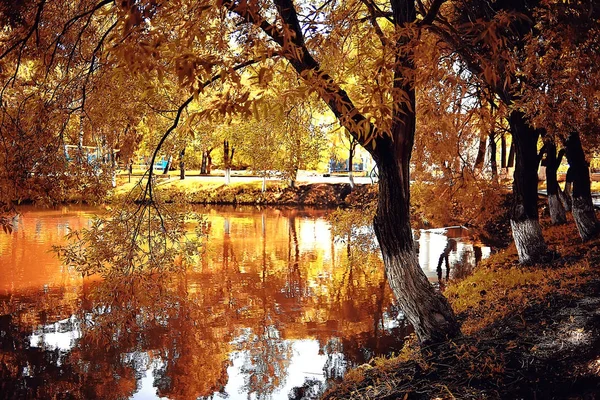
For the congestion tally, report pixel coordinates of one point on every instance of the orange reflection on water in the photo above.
(275, 303)
(26, 259)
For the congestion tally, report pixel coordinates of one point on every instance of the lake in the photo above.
(276, 308)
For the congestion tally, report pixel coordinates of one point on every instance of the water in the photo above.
(275, 309)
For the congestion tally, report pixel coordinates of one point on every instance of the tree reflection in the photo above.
(187, 327)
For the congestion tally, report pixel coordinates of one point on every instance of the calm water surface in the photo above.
(276, 309)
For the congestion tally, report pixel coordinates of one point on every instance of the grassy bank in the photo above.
(198, 191)
(528, 332)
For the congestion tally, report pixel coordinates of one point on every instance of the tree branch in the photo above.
(373, 19)
(295, 52)
(432, 13)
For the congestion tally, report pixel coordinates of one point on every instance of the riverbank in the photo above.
(197, 190)
(528, 332)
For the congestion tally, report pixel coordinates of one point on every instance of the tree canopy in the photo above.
(440, 76)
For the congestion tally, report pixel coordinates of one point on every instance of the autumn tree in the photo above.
(490, 38)
(358, 57)
(278, 141)
(561, 94)
(455, 124)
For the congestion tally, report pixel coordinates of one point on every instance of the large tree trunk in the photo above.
(526, 229)
(425, 308)
(557, 210)
(582, 205)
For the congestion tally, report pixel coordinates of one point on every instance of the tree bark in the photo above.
(565, 195)
(493, 158)
(425, 308)
(351, 161)
(206, 161)
(511, 155)
(557, 211)
(524, 221)
(583, 210)
(181, 165)
(503, 151)
(480, 154)
(227, 160)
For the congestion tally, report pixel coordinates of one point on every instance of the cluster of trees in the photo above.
(453, 71)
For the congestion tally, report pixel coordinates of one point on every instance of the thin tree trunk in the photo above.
(557, 211)
(493, 158)
(227, 160)
(204, 162)
(351, 161)
(511, 154)
(294, 177)
(181, 165)
(503, 151)
(582, 206)
(480, 154)
(524, 221)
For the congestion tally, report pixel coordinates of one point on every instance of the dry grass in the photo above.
(492, 294)
(514, 319)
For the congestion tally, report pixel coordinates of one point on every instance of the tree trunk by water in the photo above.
(203, 164)
(583, 210)
(557, 211)
(524, 221)
(264, 184)
(294, 177)
(425, 308)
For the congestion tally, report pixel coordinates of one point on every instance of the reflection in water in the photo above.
(275, 309)
(449, 253)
